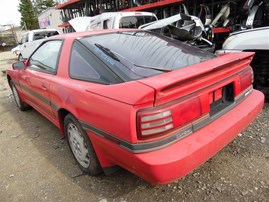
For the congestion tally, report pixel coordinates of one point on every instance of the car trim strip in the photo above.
(16, 83)
(42, 98)
(178, 135)
(140, 147)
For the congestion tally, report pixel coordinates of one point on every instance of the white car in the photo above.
(252, 40)
(112, 20)
(31, 40)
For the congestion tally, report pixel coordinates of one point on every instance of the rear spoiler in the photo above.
(169, 81)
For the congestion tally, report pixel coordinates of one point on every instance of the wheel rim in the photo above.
(16, 96)
(78, 145)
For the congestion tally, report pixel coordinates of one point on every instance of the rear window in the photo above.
(45, 34)
(135, 21)
(140, 54)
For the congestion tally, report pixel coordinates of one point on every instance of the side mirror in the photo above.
(18, 65)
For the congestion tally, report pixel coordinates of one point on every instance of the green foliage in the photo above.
(30, 9)
(28, 14)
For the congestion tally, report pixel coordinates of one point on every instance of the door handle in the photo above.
(43, 87)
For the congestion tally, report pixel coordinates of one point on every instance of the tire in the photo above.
(21, 105)
(81, 146)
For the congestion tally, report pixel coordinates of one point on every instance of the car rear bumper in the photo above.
(177, 160)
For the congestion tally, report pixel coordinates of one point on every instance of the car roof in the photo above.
(43, 30)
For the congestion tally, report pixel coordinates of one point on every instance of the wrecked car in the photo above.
(31, 40)
(182, 27)
(131, 98)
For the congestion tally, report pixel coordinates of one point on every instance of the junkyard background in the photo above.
(36, 164)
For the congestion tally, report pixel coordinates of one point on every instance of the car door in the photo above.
(40, 69)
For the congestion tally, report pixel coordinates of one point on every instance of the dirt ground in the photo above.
(36, 164)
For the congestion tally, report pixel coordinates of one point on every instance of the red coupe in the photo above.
(135, 99)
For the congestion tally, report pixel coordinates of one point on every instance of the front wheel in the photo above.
(21, 105)
(81, 146)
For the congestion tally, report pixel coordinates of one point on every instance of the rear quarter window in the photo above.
(86, 67)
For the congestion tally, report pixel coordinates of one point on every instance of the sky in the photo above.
(9, 13)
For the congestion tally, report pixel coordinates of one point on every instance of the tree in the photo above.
(41, 5)
(28, 14)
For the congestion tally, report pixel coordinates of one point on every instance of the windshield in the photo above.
(135, 21)
(140, 54)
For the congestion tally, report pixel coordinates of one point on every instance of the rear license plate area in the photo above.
(221, 98)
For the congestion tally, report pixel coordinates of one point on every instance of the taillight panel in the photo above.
(246, 78)
(158, 121)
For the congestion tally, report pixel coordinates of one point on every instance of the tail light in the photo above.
(246, 78)
(158, 121)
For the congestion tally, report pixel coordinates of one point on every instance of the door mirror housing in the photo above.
(18, 65)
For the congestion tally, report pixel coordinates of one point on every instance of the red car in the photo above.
(135, 99)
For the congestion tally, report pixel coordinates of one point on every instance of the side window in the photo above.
(25, 38)
(84, 65)
(45, 59)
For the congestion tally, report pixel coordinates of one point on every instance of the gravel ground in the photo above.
(36, 164)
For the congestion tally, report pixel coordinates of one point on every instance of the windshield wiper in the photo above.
(112, 55)
(107, 52)
(154, 68)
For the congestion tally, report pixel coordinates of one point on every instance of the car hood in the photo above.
(252, 39)
(80, 23)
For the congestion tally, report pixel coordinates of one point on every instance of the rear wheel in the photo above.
(21, 105)
(81, 146)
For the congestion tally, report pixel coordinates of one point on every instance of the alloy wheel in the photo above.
(16, 96)
(78, 145)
